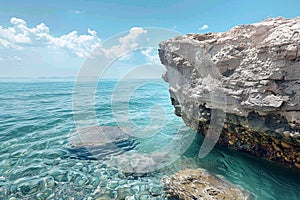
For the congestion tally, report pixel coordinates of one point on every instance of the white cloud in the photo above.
(17, 58)
(11, 58)
(20, 36)
(151, 55)
(127, 43)
(205, 26)
(78, 12)
(81, 45)
(39, 50)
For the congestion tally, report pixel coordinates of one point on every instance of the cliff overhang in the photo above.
(252, 74)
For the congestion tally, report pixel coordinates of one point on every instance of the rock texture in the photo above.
(198, 184)
(251, 73)
(97, 136)
(99, 142)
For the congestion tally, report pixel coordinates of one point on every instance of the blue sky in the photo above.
(55, 37)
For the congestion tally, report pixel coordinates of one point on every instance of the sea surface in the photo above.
(37, 161)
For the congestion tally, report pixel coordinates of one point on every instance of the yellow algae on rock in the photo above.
(198, 184)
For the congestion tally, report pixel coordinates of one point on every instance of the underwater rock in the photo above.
(139, 164)
(250, 73)
(97, 136)
(198, 184)
(99, 142)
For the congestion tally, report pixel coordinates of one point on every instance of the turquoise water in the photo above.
(36, 161)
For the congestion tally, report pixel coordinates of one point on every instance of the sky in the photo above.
(56, 38)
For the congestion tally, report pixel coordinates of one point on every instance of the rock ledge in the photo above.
(251, 73)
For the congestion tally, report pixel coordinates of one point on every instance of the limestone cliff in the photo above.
(251, 73)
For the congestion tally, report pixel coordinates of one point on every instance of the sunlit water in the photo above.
(36, 161)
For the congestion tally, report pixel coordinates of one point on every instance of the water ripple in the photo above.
(37, 163)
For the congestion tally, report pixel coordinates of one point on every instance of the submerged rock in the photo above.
(99, 142)
(97, 136)
(198, 184)
(140, 164)
(250, 73)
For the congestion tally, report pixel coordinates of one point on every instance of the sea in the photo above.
(37, 160)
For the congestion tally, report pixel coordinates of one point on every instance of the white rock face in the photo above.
(250, 68)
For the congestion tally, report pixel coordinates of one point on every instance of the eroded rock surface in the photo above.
(198, 184)
(252, 73)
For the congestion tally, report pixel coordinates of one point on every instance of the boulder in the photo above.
(199, 184)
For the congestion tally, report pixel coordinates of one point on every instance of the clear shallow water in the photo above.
(36, 162)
